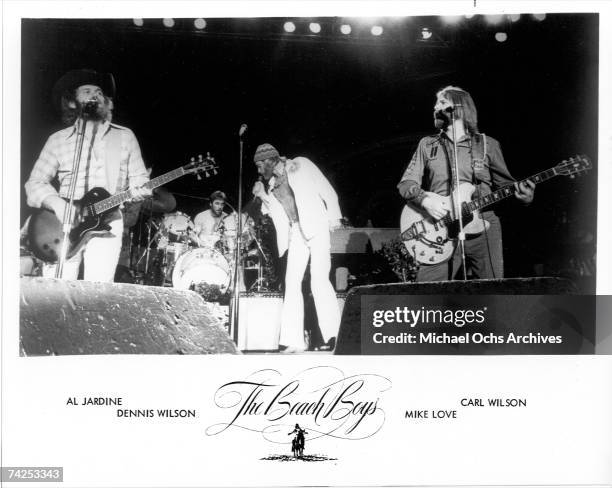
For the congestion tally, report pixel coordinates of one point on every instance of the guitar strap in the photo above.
(451, 167)
(478, 146)
(114, 142)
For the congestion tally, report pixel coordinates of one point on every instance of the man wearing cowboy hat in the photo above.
(110, 158)
(304, 208)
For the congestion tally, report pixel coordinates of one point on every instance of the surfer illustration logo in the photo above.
(299, 441)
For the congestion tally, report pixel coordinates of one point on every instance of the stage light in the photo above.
(501, 37)
(289, 27)
(138, 22)
(168, 22)
(451, 19)
(345, 29)
(494, 19)
(539, 17)
(314, 27)
(199, 23)
(426, 33)
(514, 17)
(376, 30)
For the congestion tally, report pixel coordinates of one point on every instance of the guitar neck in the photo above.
(124, 196)
(505, 192)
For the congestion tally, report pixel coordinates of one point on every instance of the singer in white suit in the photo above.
(304, 208)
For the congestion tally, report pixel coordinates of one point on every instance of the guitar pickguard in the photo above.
(431, 246)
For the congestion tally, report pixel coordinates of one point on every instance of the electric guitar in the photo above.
(432, 241)
(93, 213)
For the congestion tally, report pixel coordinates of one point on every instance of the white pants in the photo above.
(328, 313)
(100, 258)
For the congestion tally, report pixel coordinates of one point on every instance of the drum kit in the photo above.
(176, 256)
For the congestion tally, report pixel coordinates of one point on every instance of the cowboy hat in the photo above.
(79, 77)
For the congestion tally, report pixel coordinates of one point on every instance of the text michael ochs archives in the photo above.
(474, 324)
(407, 321)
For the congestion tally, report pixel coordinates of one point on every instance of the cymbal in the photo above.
(163, 201)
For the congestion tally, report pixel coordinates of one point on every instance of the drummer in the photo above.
(212, 225)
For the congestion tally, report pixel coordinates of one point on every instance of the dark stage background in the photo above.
(356, 105)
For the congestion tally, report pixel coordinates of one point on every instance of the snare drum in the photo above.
(201, 265)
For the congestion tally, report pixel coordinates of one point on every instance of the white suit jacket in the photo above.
(315, 199)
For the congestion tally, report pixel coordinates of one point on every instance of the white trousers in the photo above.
(328, 313)
(100, 258)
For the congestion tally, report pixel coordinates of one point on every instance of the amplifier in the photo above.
(259, 321)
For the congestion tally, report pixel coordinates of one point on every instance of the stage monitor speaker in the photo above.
(349, 336)
(80, 317)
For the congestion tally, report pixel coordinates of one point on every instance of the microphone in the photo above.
(243, 129)
(90, 106)
(451, 108)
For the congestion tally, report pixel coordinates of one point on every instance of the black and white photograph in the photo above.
(303, 239)
(338, 141)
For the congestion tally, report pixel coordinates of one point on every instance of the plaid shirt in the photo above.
(55, 161)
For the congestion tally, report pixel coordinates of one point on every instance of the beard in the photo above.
(441, 120)
(99, 112)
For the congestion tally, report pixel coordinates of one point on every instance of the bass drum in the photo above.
(201, 265)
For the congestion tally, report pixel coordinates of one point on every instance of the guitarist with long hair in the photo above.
(110, 159)
(428, 181)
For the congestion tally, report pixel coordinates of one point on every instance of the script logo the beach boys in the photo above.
(322, 399)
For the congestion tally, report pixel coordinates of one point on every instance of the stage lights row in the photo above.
(289, 27)
(425, 34)
(346, 29)
(493, 19)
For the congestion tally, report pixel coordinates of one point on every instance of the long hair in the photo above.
(70, 110)
(466, 109)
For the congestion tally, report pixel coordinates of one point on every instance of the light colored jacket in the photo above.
(315, 199)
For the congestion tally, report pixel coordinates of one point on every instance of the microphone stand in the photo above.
(456, 202)
(149, 240)
(68, 211)
(235, 311)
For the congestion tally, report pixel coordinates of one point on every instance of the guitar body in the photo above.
(45, 234)
(432, 241)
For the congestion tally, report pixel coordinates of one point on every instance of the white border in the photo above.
(567, 375)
